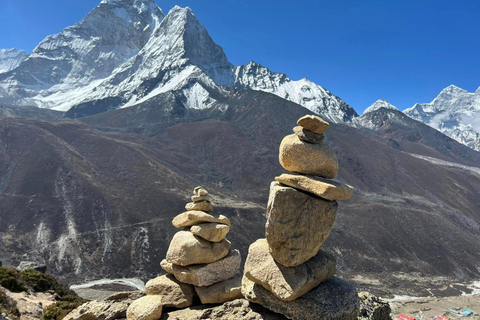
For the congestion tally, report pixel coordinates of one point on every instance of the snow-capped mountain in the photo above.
(304, 92)
(380, 104)
(455, 112)
(11, 58)
(125, 52)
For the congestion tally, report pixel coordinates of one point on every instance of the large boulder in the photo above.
(214, 232)
(334, 299)
(186, 249)
(297, 224)
(221, 292)
(191, 218)
(325, 189)
(287, 283)
(373, 307)
(307, 158)
(239, 309)
(112, 308)
(173, 292)
(145, 308)
(208, 274)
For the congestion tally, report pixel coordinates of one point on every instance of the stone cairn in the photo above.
(198, 260)
(287, 272)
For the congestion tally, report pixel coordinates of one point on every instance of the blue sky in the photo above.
(361, 50)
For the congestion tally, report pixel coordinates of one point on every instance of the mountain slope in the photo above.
(455, 112)
(11, 58)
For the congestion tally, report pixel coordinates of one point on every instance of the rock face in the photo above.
(286, 283)
(297, 224)
(331, 300)
(145, 308)
(186, 249)
(173, 292)
(307, 158)
(208, 274)
(323, 188)
(213, 232)
(286, 272)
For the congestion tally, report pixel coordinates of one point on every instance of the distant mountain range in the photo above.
(139, 107)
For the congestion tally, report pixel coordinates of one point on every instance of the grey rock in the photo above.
(297, 224)
(308, 136)
(334, 299)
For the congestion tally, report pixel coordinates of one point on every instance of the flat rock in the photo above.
(297, 224)
(173, 292)
(145, 308)
(204, 206)
(313, 123)
(214, 232)
(308, 136)
(191, 218)
(167, 266)
(334, 299)
(112, 308)
(326, 189)
(307, 158)
(200, 191)
(186, 249)
(239, 309)
(287, 283)
(209, 273)
(221, 292)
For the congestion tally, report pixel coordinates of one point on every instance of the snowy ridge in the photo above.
(380, 104)
(11, 58)
(126, 52)
(454, 112)
(304, 92)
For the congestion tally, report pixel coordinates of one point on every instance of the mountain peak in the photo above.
(380, 103)
(11, 58)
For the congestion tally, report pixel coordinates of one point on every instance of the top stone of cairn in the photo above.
(313, 123)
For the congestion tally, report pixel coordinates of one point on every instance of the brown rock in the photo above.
(146, 308)
(191, 218)
(297, 224)
(172, 292)
(326, 189)
(334, 299)
(210, 273)
(221, 292)
(204, 206)
(210, 231)
(313, 123)
(308, 136)
(186, 249)
(112, 308)
(302, 157)
(167, 266)
(286, 283)
(200, 198)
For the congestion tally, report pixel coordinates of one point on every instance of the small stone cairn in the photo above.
(287, 272)
(198, 260)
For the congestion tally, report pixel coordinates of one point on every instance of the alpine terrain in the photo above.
(137, 108)
(455, 112)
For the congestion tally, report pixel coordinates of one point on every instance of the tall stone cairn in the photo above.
(199, 261)
(287, 272)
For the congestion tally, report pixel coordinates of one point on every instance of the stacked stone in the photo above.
(287, 272)
(198, 260)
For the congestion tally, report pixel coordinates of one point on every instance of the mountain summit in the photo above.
(125, 52)
(380, 104)
(455, 112)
